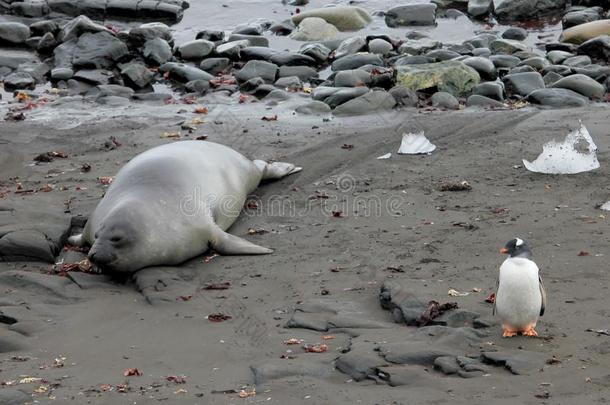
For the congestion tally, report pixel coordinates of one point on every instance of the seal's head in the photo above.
(118, 242)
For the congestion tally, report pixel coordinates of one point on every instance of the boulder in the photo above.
(483, 66)
(512, 10)
(344, 18)
(356, 61)
(578, 17)
(373, 102)
(99, 50)
(197, 49)
(445, 100)
(13, 33)
(581, 84)
(136, 75)
(411, 14)
(258, 68)
(506, 46)
(523, 84)
(555, 97)
(451, 76)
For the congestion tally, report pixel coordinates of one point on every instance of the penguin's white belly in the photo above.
(518, 300)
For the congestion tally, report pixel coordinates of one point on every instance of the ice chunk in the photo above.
(386, 156)
(414, 144)
(576, 154)
(606, 206)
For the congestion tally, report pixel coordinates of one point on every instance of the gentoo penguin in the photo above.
(520, 298)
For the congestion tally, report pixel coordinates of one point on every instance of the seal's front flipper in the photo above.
(227, 244)
(276, 170)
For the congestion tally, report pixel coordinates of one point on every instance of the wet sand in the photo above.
(393, 217)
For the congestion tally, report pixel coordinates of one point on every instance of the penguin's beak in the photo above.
(504, 251)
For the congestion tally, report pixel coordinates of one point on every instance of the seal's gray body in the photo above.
(171, 203)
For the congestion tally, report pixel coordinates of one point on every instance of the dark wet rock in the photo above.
(232, 50)
(112, 90)
(523, 84)
(94, 50)
(13, 58)
(304, 73)
(577, 17)
(278, 369)
(13, 33)
(554, 97)
(482, 40)
(93, 76)
(257, 53)
(258, 68)
(316, 51)
(536, 62)
(516, 33)
(380, 46)
(494, 90)
(483, 66)
(314, 29)
(415, 353)
(413, 60)
(157, 51)
(282, 28)
(517, 362)
(79, 26)
(353, 78)
(479, 8)
(462, 49)
(215, 65)
(439, 55)
(356, 61)
(582, 84)
(577, 61)
(521, 69)
(152, 96)
(481, 101)
(255, 40)
(30, 9)
(597, 48)
(515, 9)
(211, 35)
(415, 34)
(345, 18)
(112, 101)
(13, 396)
(19, 81)
(411, 14)
(556, 57)
(37, 70)
(451, 76)
(506, 46)
(484, 52)
(184, 73)
(447, 365)
(250, 29)
(40, 28)
(560, 69)
(350, 46)
(419, 46)
(27, 245)
(292, 83)
(404, 96)
(46, 44)
(197, 49)
(594, 71)
(313, 108)
(445, 100)
(375, 101)
(146, 32)
(504, 61)
(359, 366)
(136, 75)
(77, 87)
(198, 86)
(457, 318)
(276, 96)
(62, 74)
(551, 78)
(291, 59)
(560, 46)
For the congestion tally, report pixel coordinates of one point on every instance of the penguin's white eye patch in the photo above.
(519, 242)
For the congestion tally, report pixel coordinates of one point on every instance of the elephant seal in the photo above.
(173, 202)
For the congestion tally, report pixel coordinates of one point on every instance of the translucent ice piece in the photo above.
(386, 156)
(605, 206)
(576, 154)
(414, 144)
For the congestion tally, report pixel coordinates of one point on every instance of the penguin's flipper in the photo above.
(543, 294)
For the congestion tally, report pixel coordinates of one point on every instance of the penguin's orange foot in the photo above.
(508, 332)
(530, 331)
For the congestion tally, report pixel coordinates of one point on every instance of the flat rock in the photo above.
(77, 27)
(411, 14)
(258, 68)
(215, 65)
(314, 108)
(14, 33)
(27, 245)
(554, 97)
(372, 102)
(304, 73)
(13, 396)
(479, 8)
(136, 75)
(506, 46)
(19, 81)
(517, 362)
(98, 50)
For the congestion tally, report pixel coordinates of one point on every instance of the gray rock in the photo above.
(556, 57)
(554, 97)
(420, 353)
(446, 364)
(232, 50)
(583, 85)
(35, 69)
(212, 35)
(93, 76)
(197, 86)
(46, 44)
(597, 48)
(404, 96)
(292, 83)
(479, 8)
(99, 50)
(445, 100)
(62, 74)
(30, 9)
(413, 60)
(484, 52)
(506, 46)
(462, 49)
(316, 51)
(518, 362)
(26, 245)
(483, 66)
(197, 49)
(551, 78)
(350, 46)
(258, 68)
(79, 26)
(304, 73)
(215, 65)
(352, 78)
(419, 46)
(504, 61)
(536, 62)
(482, 40)
(278, 95)
(77, 87)
(40, 28)
(137, 75)
(19, 81)
(157, 51)
(114, 90)
(334, 96)
(146, 32)
(512, 10)
(356, 61)
(577, 61)
(359, 366)
(560, 69)
(13, 33)
(521, 69)
(523, 84)
(516, 33)
(439, 55)
(291, 59)
(380, 46)
(314, 29)
(184, 73)
(577, 17)
(255, 40)
(481, 101)
(314, 108)
(11, 59)
(494, 90)
(411, 14)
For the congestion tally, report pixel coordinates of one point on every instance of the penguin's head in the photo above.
(517, 248)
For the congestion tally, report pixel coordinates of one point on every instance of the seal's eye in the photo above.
(116, 239)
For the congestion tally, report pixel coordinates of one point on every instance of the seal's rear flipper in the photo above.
(76, 240)
(227, 244)
(276, 170)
